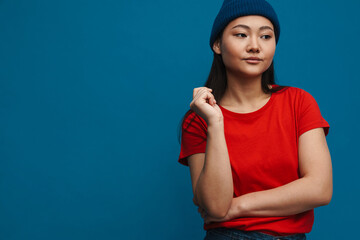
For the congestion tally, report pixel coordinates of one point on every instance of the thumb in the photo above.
(216, 106)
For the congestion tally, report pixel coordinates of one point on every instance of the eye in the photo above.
(240, 35)
(266, 36)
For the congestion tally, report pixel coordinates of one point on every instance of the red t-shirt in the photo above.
(263, 152)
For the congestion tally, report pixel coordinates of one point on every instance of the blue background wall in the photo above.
(91, 95)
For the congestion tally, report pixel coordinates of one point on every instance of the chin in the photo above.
(250, 74)
(247, 71)
(252, 71)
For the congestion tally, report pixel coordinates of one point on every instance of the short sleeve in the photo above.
(193, 137)
(309, 116)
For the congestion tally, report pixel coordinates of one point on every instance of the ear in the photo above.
(216, 47)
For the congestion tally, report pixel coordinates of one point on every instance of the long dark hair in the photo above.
(217, 81)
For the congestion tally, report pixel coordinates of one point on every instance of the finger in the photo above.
(196, 90)
(216, 106)
(198, 95)
(211, 100)
(203, 94)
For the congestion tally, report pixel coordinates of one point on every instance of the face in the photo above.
(243, 38)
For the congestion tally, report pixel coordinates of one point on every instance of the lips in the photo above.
(253, 58)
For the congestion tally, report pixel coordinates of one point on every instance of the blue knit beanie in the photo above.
(232, 9)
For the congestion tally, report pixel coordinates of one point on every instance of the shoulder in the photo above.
(297, 98)
(191, 120)
(287, 89)
(293, 93)
(301, 100)
(298, 91)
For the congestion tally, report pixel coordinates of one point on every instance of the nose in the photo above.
(253, 45)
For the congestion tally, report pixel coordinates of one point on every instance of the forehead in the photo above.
(253, 21)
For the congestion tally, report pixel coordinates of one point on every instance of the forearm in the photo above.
(295, 197)
(214, 189)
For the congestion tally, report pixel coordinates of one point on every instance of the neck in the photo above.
(243, 91)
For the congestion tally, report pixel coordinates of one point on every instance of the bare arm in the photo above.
(211, 171)
(311, 190)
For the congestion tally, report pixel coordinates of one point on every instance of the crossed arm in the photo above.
(311, 190)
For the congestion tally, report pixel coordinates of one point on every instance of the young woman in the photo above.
(257, 152)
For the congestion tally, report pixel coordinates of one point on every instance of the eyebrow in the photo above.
(247, 27)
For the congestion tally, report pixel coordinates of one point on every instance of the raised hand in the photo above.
(204, 104)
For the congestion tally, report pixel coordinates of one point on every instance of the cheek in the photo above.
(269, 58)
(269, 54)
(230, 54)
(272, 53)
(271, 50)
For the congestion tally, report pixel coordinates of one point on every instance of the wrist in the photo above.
(216, 122)
(216, 130)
